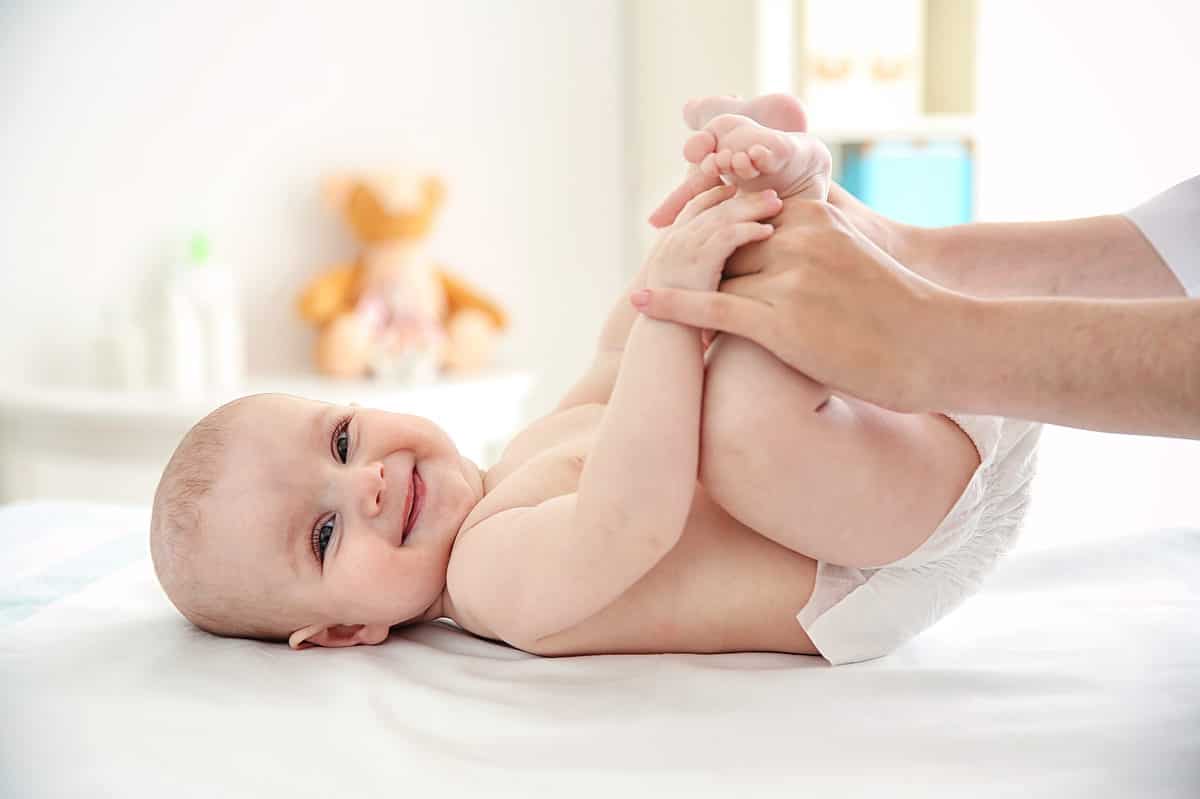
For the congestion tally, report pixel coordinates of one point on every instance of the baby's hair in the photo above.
(177, 526)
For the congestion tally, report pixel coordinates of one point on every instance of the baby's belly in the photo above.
(723, 588)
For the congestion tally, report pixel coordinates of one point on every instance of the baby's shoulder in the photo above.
(571, 427)
(503, 569)
(544, 461)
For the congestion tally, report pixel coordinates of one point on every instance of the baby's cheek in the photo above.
(365, 575)
(373, 578)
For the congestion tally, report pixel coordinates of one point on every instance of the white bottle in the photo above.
(123, 351)
(205, 347)
(184, 352)
(224, 343)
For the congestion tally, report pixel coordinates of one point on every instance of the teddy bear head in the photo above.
(386, 207)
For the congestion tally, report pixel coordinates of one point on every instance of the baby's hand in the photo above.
(691, 253)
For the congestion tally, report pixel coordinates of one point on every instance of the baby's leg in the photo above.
(833, 478)
(836, 479)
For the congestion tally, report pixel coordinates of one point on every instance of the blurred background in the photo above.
(145, 143)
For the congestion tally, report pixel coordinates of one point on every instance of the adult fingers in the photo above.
(695, 182)
(708, 309)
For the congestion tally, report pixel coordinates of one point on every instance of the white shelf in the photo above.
(59, 442)
(167, 406)
(926, 127)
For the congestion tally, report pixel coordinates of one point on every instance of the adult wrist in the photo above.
(965, 359)
(923, 251)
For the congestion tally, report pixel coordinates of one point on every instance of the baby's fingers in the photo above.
(694, 183)
(747, 207)
(728, 238)
(705, 201)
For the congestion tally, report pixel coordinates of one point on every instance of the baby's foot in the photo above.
(752, 157)
(778, 111)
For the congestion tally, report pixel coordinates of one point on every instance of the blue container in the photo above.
(919, 183)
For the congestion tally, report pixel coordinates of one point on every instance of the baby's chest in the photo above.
(552, 474)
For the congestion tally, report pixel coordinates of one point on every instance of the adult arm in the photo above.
(1149, 252)
(1129, 366)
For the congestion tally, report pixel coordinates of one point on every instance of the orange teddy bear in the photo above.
(394, 312)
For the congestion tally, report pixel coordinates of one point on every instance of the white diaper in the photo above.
(860, 614)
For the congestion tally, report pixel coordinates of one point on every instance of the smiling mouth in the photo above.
(416, 496)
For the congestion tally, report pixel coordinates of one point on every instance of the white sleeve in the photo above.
(1171, 222)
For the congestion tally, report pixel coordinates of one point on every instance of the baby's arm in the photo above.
(642, 470)
(637, 485)
(597, 383)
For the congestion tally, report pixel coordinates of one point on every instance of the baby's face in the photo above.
(341, 515)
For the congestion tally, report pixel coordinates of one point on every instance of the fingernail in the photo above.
(640, 299)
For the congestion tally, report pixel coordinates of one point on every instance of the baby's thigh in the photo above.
(836, 479)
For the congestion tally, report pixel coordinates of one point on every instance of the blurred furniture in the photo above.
(913, 162)
(919, 183)
(678, 49)
(81, 444)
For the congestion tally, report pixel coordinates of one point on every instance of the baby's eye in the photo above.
(320, 538)
(341, 440)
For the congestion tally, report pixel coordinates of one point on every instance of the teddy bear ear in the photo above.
(435, 191)
(336, 190)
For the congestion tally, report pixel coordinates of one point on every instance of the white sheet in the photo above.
(1076, 672)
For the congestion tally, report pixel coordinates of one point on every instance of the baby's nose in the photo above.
(371, 488)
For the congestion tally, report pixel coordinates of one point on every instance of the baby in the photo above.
(674, 501)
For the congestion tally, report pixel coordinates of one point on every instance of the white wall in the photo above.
(1089, 108)
(127, 124)
(1085, 108)
(678, 49)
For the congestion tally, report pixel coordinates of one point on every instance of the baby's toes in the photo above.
(743, 168)
(709, 166)
(725, 161)
(764, 159)
(698, 145)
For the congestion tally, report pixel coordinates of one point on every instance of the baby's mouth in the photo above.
(416, 495)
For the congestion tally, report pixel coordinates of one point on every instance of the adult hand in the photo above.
(827, 301)
(896, 239)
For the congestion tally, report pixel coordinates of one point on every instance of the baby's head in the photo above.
(286, 519)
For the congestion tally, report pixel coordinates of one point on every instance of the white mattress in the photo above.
(1075, 673)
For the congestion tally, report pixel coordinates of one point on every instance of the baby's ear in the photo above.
(338, 635)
